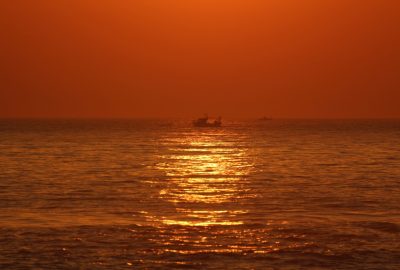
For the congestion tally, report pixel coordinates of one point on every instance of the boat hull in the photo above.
(207, 124)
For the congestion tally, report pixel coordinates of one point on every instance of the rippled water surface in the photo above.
(157, 194)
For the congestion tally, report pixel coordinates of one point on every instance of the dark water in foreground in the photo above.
(144, 194)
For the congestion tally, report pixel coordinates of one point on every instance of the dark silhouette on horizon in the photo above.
(205, 122)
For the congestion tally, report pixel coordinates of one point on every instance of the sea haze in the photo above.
(140, 194)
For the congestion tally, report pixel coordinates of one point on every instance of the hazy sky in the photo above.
(250, 58)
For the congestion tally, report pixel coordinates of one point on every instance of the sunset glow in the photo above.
(286, 58)
(200, 134)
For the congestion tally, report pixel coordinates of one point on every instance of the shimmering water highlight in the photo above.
(101, 194)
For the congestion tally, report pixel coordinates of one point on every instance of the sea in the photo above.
(162, 194)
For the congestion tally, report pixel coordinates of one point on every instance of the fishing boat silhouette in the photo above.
(206, 122)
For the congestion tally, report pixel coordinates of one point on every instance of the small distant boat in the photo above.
(265, 118)
(206, 122)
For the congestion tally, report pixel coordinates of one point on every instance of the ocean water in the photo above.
(161, 194)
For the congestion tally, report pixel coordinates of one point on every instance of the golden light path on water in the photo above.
(205, 171)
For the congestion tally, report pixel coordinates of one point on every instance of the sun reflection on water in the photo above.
(205, 174)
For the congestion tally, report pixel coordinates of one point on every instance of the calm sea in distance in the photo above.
(161, 194)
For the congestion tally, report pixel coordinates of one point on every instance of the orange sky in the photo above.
(174, 58)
